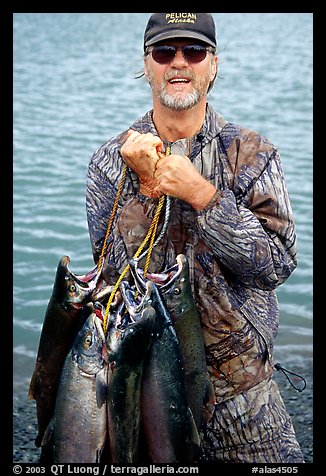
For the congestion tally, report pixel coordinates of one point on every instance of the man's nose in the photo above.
(179, 60)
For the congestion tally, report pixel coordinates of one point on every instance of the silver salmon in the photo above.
(174, 286)
(63, 317)
(78, 429)
(128, 342)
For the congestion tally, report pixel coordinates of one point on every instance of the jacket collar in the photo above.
(212, 126)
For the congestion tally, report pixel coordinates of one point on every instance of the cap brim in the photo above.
(173, 34)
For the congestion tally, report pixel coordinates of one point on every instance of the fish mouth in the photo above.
(85, 283)
(133, 304)
(163, 280)
(132, 308)
(97, 322)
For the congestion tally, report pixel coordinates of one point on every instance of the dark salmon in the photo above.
(63, 318)
(128, 342)
(169, 428)
(174, 286)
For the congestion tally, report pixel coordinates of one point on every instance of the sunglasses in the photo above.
(164, 54)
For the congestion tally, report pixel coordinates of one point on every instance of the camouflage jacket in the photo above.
(239, 249)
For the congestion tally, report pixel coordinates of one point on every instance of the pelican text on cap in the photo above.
(181, 17)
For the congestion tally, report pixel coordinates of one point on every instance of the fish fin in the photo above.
(46, 455)
(209, 401)
(193, 439)
(47, 437)
(33, 387)
(193, 431)
(47, 444)
(101, 387)
(38, 441)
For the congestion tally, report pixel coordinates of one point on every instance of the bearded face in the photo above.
(180, 89)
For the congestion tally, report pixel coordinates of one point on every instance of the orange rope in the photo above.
(114, 209)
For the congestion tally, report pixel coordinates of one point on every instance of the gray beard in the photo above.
(179, 104)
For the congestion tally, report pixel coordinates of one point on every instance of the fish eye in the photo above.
(88, 340)
(176, 291)
(72, 288)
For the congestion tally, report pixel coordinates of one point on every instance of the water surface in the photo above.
(75, 87)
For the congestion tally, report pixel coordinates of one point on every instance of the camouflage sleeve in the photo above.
(254, 237)
(103, 178)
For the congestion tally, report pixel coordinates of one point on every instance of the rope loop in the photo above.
(278, 366)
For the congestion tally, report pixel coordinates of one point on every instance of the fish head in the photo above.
(138, 307)
(89, 349)
(177, 289)
(134, 300)
(71, 290)
(134, 327)
(173, 283)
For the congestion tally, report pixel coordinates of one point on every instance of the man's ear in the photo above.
(215, 69)
(145, 69)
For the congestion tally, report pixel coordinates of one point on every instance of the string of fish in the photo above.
(150, 236)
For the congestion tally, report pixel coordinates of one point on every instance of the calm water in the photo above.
(74, 88)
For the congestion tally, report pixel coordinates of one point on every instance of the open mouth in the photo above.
(160, 278)
(87, 281)
(87, 278)
(163, 280)
(84, 284)
(166, 279)
(179, 80)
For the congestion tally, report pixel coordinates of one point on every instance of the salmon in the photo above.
(63, 318)
(175, 289)
(128, 342)
(78, 429)
(170, 432)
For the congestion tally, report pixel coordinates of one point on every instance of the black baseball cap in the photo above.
(164, 26)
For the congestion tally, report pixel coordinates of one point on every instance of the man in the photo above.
(230, 215)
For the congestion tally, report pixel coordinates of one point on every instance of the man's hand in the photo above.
(158, 174)
(140, 152)
(178, 177)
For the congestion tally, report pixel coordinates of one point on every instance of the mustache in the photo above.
(178, 72)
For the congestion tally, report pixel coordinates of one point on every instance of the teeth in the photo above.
(179, 80)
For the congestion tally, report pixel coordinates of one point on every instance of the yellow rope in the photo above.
(155, 223)
(151, 243)
(150, 234)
